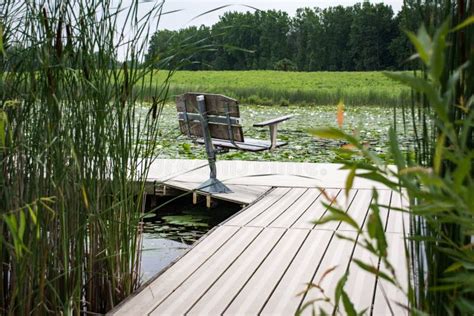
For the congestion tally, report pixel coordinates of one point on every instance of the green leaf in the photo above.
(2, 49)
(350, 181)
(337, 215)
(328, 132)
(186, 147)
(437, 51)
(348, 305)
(12, 224)
(3, 127)
(463, 24)
(32, 214)
(420, 85)
(455, 266)
(373, 270)
(438, 155)
(340, 288)
(377, 177)
(422, 46)
(395, 149)
(21, 228)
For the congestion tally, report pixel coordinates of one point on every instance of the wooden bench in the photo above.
(223, 117)
(214, 120)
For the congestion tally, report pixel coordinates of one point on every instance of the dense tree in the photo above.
(362, 37)
(372, 30)
(408, 19)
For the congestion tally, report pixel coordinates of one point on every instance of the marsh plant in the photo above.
(71, 148)
(437, 182)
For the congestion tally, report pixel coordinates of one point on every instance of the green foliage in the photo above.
(71, 154)
(284, 65)
(361, 37)
(372, 31)
(439, 240)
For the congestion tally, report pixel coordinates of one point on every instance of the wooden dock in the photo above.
(261, 260)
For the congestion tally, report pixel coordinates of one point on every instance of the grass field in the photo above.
(283, 88)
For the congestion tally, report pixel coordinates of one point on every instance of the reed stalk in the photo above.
(72, 144)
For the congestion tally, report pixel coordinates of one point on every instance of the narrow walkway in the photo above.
(261, 260)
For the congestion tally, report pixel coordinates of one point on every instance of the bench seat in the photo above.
(250, 144)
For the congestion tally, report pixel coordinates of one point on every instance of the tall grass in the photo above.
(71, 148)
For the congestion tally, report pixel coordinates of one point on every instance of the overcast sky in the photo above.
(192, 8)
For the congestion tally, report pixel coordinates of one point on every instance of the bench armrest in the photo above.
(273, 121)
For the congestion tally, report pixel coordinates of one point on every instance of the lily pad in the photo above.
(186, 220)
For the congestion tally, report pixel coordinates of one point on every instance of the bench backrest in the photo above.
(217, 107)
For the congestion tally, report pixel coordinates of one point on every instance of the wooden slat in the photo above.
(358, 209)
(259, 207)
(240, 193)
(284, 299)
(250, 144)
(398, 219)
(259, 288)
(191, 290)
(212, 119)
(215, 104)
(219, 131)
(145, 300)
(337, 257)
(217, 298)
(361, 298)
(396, 256)
(287, 219)
(271, 213)
(317, 210)
(273, 121)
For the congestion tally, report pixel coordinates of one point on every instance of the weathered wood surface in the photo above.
(220, 131)
(223, 121)
(260, 259)
(216, 104)
(273, 121)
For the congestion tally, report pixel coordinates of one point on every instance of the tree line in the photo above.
(361, 37)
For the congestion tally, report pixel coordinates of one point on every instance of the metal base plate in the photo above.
(214, 186)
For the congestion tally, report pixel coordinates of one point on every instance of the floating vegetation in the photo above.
(371, 123)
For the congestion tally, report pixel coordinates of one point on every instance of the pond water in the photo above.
(370, 123)
(175, 228)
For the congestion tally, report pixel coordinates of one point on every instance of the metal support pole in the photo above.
(212, 185)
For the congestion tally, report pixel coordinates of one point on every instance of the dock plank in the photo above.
(252, 297)
(259, 207)
(216, 299)
(396, 296)
(284, 299)
(317, 211)
(265, 218)
(178, 272)
(336, 259)
(358, 209)
(288, 218)
(192, 288)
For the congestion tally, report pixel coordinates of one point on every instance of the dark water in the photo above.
(174, 228)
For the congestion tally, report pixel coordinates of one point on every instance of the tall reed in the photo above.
(72, 143)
